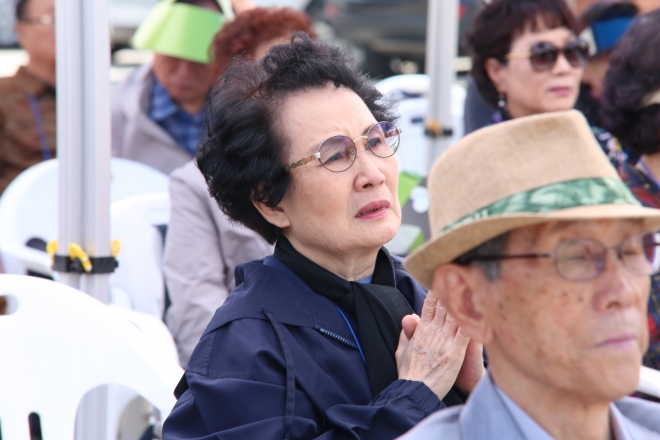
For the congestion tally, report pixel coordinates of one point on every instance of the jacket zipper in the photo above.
(336, 337)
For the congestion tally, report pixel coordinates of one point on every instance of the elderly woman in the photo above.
(199, 283)
(527, 59)
(299, 148)
(631, 111)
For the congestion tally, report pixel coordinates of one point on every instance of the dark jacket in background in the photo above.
(279, 361)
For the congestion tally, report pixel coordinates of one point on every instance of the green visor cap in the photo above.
(179, 30)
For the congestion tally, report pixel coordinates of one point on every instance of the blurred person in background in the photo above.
(527, 59)
(311, 343)
(602, 25)
(158, 111)
(631, 111)
(203, 247)
(27, 99)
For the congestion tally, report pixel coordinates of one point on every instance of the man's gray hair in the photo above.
(494, 246)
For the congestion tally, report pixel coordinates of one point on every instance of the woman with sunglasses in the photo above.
(318, 340)
(527, 59)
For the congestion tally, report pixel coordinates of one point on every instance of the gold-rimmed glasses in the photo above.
(47, 19)
(338, 153)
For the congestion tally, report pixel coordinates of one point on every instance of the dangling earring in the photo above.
(501, 103)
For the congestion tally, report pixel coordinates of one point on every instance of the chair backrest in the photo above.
(29, 208)
(413, 152)
(410, 94)
(649, 382)
(400, 87)
(138, 281)
(59, 343)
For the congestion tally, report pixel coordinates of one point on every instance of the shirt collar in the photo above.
(162, 105)
(532, 430)
(528, 426)
(618, 424)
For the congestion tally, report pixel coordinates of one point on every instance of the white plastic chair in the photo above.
(413, 152)
(58, 343)
(29, 206)
(649, 382)
(400, 87)
(138, 281)
(410, 93)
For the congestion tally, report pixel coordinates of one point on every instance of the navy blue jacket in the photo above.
(279, 361)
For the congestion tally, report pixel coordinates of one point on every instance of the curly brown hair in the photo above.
(243, 35)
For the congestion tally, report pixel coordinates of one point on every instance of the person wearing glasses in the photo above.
(549, 269)
(213, 246)
(312, 343)
(527, 59)
(27, 99)
(631, 111)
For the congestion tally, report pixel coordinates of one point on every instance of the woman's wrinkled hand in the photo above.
(433, 350)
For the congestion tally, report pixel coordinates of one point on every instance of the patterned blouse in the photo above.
(647, 192)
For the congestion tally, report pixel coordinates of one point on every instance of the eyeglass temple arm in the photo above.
(514, 55)
(303, 161)
(501, 257)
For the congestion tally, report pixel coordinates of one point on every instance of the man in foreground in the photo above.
(543, 255)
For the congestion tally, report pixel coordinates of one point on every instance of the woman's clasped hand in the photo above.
(433, 350)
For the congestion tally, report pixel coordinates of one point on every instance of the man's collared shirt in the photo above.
(27, 129)
(186, 129)
(533, 431)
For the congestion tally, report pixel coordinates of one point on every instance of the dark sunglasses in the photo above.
(543, 55)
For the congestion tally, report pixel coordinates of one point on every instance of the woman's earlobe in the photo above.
(275, 215)
(494, 70)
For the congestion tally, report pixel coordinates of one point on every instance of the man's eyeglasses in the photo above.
(583, 259)
(338, 153)
(543, 55)
(47, 19)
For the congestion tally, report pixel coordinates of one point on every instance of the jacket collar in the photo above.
(136, 88)
(268, 285)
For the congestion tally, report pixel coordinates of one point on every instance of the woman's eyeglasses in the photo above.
(543, 55)
(583, 259)
(338, 153)
(47, 19)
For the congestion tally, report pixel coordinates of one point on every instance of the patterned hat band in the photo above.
(554, 197)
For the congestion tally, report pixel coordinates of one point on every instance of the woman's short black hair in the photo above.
(242, 151)
(634, 73)
(499, 23)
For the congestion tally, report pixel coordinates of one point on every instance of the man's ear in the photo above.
(496, 72)
(274, 215)
(459, 289)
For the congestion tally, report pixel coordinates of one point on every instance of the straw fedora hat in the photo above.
(518, 173)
